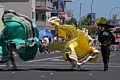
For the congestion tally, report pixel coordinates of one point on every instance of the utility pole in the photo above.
(92, 24)
(80, 15)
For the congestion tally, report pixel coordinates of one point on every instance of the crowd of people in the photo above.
(45, 41)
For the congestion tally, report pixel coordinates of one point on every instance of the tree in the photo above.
(84, 24)
(70, 21)
(84, 21)
(101, 20)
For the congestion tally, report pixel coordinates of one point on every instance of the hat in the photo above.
(106, 25)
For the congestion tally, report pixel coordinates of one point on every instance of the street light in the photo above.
(91, 16)
(115, 17)
(80, 15)
(112, 10)
(91, 6)
(118, 13)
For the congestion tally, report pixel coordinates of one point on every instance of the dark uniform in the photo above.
(106, 38)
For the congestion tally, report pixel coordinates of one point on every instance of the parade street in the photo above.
(52, 67)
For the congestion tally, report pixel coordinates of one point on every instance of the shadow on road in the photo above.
(16, 70)
(61, 70)
(53, 69)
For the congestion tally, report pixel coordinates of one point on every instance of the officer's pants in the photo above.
(105, 54)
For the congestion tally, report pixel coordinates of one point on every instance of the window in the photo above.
(40, 16)
(33, 14)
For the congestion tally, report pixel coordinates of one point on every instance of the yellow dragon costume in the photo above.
(78, 44)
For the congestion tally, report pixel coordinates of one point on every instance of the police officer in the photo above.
(106, 38)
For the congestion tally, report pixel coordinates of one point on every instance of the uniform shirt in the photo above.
(106, 37)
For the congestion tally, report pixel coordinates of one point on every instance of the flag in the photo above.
(65, 15)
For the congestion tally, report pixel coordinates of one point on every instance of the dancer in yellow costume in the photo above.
(78, 45)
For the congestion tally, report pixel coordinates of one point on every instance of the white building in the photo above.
(1, 23)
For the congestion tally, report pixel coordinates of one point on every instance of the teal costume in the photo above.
(20, 33)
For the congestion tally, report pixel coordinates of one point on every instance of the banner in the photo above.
(91, 17)
(112, 22)
(61, 6)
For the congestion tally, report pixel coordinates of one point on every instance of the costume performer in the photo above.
(106, 38)
(78, 45)
(20, 35)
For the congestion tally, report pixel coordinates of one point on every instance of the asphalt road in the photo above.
(53, 67)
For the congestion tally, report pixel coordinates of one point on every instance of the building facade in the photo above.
(1, 12)
(37, 10)
(60, 10)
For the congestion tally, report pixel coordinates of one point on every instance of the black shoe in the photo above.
(105, 68)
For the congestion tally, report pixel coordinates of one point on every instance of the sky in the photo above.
(102, 8)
